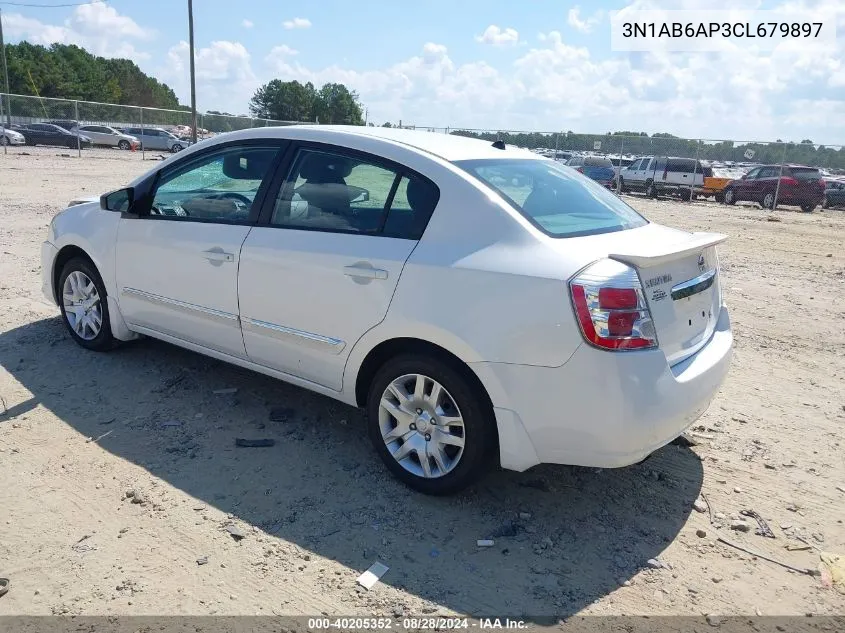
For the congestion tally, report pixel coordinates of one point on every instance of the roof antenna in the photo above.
(499, 144)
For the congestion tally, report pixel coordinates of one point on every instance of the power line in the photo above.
(51, 6)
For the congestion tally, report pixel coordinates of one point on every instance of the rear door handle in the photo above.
(218, 256)
(367, 272)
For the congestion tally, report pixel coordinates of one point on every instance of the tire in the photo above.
(825, 203)
(463, 465)
(719, 197)
(650, 190)
(729, 196)
(686, 196)
(808, 208)
(768, 201)
(622, 188)
(176, 148)
(124, 145)
(4, 140)
(81, 269)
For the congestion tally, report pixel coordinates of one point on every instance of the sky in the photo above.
(498, 64)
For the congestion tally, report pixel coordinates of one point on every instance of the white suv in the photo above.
(660, 175)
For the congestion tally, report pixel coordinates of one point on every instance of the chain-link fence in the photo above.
(19, 112)
(660, 165)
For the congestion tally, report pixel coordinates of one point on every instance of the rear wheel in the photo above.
(84, 306)
(729, 196)
(686, 196)
(769, 201)
(825, 203)
(650, 189)
(429, 424)
(719, 197)
(808, 208)
(4, 140)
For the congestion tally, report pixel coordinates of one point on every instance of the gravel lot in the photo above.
(81, 429)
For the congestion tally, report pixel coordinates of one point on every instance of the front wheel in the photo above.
(4, 140)
(808, 208)
(825, 203)
(650, 190)
(176, 148)
(429, 424)
(84, 306)
(123, 144)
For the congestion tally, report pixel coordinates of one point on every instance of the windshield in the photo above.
(557, 200)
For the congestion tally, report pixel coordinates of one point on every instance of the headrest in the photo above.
(325, 168)
(252, 164)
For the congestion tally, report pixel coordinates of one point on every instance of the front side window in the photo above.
(558, 201)
(221, 186)
(331, 191)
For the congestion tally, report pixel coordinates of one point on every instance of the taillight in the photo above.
(611, 308)
(789, 181)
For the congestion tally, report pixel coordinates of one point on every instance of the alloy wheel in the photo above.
(421, 426)
(82, 307)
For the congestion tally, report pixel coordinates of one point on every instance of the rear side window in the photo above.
(556, 200)
(805, 173)
(660, 164)
(683, 165)
(597, 161)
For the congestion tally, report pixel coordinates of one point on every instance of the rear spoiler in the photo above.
(645, 257)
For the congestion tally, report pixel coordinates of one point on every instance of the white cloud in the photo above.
(297, 23)
(498, 36)
(282, 51)
(247, 24)
(96, 27)
(583, 25)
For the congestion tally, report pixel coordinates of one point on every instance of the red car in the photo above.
(800, 186)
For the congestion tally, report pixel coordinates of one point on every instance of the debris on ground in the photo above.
(701, 533)
(202, 561)
(372, 575)
(832, 570)
(740, 526)
(699, 506)
(800, 570)
(281, 414)
(235, 531)
(656, 563)
(485, 542)
(263, 443)
(763, 529)
(80, 546)
(4, 586)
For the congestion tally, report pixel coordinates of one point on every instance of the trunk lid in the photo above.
(680, 280)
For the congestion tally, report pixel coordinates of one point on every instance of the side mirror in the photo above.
(119, 200)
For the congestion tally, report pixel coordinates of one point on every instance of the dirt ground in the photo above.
(81, 429)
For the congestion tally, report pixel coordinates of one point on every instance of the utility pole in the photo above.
(193, 76)
(5, 74)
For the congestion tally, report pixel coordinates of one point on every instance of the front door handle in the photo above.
(367, 272)
(218, 255)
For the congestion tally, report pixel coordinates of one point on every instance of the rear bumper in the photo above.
(608, 409)
(48, 258)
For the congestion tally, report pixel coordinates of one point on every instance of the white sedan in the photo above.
(485, 305)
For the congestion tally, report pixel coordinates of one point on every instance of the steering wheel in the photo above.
(232, 195)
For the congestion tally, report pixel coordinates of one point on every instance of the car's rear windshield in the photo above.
(597, 161)
(805, 173)
(557, 200)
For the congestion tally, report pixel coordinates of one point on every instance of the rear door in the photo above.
(321, 268)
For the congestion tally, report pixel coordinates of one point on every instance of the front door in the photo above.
(322, 267)
(177, 259)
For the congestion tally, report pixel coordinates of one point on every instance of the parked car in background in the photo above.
(157, 138)
(605, 336)
(714, 185)
(49, 134)
(800, 186)
(8, 136)
(834, 194)
(107, 136)
(63, 123)
(660, 175)
(598, 168)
